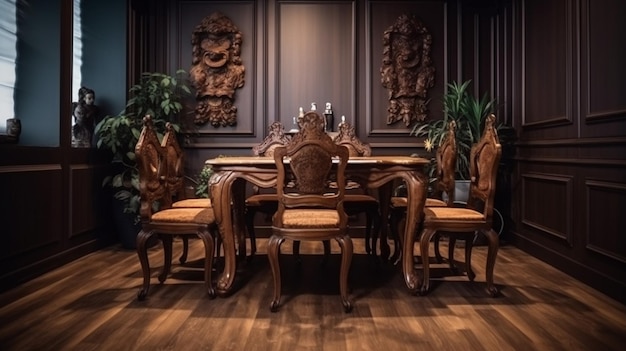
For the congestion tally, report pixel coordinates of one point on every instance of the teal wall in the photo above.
(38, 82)
(104, 53)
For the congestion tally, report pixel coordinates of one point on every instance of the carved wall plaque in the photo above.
(407, 70)
(217, 71)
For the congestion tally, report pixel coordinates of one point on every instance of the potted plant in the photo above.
(202, 182)
(469, 114)
(157, 94)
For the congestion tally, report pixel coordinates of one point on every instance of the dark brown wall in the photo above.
(298, 52)
(570, 182)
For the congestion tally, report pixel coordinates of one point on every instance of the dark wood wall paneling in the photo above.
(298, 52)
(441, 20)
(570, 183)
(53, 208)
(45, 223)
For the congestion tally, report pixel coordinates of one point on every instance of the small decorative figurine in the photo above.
(313, 106)
(295, 128)
(85, 114)
(343, 121)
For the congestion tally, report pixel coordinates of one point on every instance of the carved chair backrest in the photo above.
(149, 155)
(484, 160)
(173, 162)
(306, 166)
(347, 137)
(276, 137)
(446, 165)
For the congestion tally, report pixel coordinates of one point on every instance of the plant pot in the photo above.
(461, 192)
(125, 226)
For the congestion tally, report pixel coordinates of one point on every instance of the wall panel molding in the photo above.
(573, 161)
(605, 202)
(86, 198)
(30, 224)
(546, 63)
(603, 64)
(380, 15)
(547, 205)
(243, 14)
(314, 59)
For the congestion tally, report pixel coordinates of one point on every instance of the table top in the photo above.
(365, 160)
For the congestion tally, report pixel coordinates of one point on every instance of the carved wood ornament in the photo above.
(407, 70)
(217, 71)
(347, 137)
(276, 137)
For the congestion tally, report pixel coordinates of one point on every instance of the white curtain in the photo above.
(78, 52)
(8, 54)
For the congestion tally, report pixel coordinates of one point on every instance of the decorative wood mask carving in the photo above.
(407, 70)
(217, 70)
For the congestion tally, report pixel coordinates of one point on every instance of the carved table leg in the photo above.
(416, 197)
(239, 206)
(221, 186)
(384, 197)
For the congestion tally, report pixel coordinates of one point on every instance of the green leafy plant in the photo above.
(202, 181)
(158, 95)
(468, 112)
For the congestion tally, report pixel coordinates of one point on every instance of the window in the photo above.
(78, 52)
(8, 54)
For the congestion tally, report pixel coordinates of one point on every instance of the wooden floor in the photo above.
(90, 304)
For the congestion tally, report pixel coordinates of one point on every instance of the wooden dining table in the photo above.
(228, 187)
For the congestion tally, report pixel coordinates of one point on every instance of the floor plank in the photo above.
(90, 304)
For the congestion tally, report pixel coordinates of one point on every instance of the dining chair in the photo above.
(476, 216)
(266, 201)
(263, 201)
(442, 194)
(175, 181)
(358, 199)
(158, 218)
(308, 208)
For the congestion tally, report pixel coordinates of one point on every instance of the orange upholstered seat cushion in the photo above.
(452, 214)
(185, 215)
(400, 202)
(431, 202)
(203, 202)
(311, 218)
(363, 198)
(261, 199)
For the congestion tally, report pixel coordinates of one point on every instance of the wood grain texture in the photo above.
(90, 304)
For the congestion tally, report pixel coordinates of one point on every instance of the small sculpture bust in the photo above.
(85, 113)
